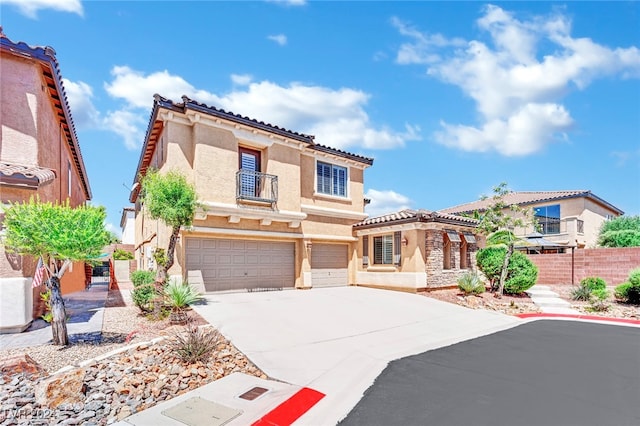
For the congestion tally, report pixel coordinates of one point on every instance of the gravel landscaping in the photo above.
(616, 309)
(141, 375)
(508, 304)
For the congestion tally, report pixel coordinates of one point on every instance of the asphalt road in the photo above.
(547, 372)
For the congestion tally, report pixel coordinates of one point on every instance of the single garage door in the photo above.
(241, 264)
(329, 265)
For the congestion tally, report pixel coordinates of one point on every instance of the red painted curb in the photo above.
(290, 410)
(584, 317)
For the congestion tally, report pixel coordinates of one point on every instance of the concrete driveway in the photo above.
(338, 340)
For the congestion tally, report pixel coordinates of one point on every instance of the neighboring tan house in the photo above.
(414, 250)
(128, 225)
(570, 218)
(277, 208)
(39, 156)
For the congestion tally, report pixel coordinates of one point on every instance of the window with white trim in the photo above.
(331, 179)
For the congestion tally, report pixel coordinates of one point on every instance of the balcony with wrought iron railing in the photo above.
(256, 187)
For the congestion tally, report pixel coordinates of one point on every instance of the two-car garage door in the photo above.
(241, 264)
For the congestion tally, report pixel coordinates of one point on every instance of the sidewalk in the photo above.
(85, 310)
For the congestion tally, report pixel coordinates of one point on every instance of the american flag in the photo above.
(39, 275)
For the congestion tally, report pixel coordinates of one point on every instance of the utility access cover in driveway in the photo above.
(539, 373)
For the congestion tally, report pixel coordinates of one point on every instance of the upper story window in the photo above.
(331, 179)
(548, 218)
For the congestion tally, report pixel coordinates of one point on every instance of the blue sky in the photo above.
(449, 98)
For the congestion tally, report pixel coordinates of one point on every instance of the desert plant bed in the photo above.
(509, 303)
(616, 309)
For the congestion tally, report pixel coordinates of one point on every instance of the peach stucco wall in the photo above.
(208, 156)
(31, 135)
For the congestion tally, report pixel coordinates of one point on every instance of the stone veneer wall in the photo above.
(434, 262)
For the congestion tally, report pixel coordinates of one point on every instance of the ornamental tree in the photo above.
(172, 200)
(623, 231)
(60, 235)
(497, 221)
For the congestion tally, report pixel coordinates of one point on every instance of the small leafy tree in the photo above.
(497, 220)
(623, 231)
(172, 200)
(60, 235)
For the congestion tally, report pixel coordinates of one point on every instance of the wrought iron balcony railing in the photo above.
(256, 186)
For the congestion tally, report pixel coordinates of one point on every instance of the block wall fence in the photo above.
(611, 264)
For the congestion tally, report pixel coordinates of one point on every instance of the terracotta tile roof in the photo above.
(46, 57)
(524, 198)
(40, 175)
(409, 215)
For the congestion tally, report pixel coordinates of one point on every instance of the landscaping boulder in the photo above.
(66, 387)
(20, 364)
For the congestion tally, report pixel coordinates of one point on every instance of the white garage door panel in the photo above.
(241, 264)
(329, 264)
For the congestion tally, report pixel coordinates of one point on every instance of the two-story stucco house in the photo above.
(39, 156)
(277, 208)
(571, 218)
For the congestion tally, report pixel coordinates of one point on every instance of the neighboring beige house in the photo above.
(414, 250)
(128, 225)
(571, 218)
(277, 208)
(39, 156)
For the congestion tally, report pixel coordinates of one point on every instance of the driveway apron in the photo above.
(338, 340)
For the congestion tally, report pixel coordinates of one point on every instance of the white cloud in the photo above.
(625, 157)
(129, 125)
(289, 2)
(383, 202)
(241, 79)
(516, 85)
(30, 8)
(79, 96)
(337, 117)
(137, 89)
(281, 39)
(112, 228)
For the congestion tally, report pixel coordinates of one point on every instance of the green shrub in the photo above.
(143, 289)
(593, 283)
(120, 254)
(599, 300)
(196, 344)
(490, 260)
(581, 293)
(621, 292)
(634, 277)
(470, 283)
(522, 274)
(629, 291)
